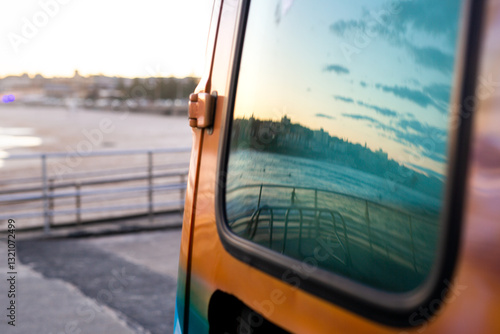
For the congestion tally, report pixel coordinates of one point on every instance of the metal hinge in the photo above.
(201, 110)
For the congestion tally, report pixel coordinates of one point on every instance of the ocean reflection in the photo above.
(366, 227)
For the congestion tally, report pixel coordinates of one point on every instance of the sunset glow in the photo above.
(114, 38)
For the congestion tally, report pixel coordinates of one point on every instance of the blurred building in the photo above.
(155, 94)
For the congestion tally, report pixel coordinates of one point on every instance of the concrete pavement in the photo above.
(113, 284)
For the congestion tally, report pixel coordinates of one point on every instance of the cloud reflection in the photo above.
(416, 96)
(430, 141)
(343, 98)
(324, 116)
(379, 110)
(337, 69)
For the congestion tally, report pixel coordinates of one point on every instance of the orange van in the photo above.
(336, 185)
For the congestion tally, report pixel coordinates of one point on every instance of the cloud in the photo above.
(430, 140)
(342, 98)
(436, 156)
(337, 69)
(345, 27)
(430, 19)
(373, 122)
(379, 110)
(417, 126)
(361, 117)
(426, 140)
(432, 58)
(441, 93)
(436, 18)
(406, 93)
(324, 116)
(416, 96)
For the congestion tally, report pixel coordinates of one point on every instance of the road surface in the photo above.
(114, 284)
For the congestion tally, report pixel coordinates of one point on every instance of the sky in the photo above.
(363, 71)
(111, 37)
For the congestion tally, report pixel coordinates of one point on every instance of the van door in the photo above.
(327, 195)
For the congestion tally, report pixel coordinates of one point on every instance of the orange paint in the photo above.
(472, 304)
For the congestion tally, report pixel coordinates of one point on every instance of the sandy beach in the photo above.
(58, 128)
(26, 130)
(75, 133)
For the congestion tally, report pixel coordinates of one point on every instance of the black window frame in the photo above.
(394, 309)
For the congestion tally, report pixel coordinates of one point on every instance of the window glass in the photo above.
(338, 147)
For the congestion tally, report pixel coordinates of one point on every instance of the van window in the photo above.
(338, 146)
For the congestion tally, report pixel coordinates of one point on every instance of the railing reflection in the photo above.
(300, 222)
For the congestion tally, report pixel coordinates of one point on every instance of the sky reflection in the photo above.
(375, 72)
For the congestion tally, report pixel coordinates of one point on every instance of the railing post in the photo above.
(301, 222)
(260, 196)
(150, 186)
(51, 200)
(316, 215)
(271, 223)
(45, 190)
(367, 216)
(78, 203)
(285, 233)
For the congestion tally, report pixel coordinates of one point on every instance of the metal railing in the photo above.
(141, 181)
(302, 216)
(383, 230)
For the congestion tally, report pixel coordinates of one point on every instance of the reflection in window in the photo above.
(338, 143)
